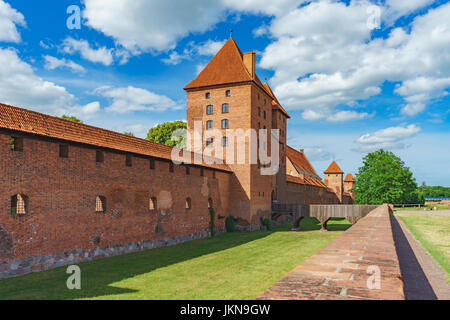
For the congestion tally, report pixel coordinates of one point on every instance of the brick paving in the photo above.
(423, 277)
(340, 270)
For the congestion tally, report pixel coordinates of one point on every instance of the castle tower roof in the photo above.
(334, 169)
(349, 178)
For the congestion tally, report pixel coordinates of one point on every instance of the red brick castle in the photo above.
(71, 192)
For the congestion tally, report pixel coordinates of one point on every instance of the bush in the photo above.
(229, 224)
(268, 224)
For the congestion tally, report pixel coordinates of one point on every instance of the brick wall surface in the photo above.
(61, 199)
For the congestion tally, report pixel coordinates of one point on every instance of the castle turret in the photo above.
(349, 184)
(334, 179)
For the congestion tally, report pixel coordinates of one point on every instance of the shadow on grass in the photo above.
(98, 277)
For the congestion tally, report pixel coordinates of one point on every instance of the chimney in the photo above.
(249, 62)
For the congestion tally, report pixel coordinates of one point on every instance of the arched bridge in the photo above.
(323, 213)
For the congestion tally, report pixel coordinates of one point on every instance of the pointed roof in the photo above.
(300, 161)
(226, 67)
(349, 178)
(275, 103)
(333, 168)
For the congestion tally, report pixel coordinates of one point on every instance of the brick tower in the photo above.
(334, 179)
(349, 184)
(227, 94)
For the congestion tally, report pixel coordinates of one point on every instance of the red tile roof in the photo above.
(349, 178)
(226, 67)
(333, 168)
(300, 161)
(306, 181)
(27, 121)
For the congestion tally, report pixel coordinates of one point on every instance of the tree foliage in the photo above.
(131, 134)
(435, 192)
(384, 178)
(169, 133)
(72, 118)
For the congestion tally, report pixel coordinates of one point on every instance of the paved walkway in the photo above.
(343, 269)
(423, 277)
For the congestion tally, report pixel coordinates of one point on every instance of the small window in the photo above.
(210, 203)
(209, 109)
(100, 204)
(209, 125)
(129, 161)
(153, 204)
(152, 164)
(225, 124)
(259, 112)
(228, 93)
(208, 95)
(209, 142)
(16, 144)
(259, 125)
(224, 142)
(63, 151)
(188, 171)
(265, 115)
(171, 167)
(188, 204)
(19, 204)
(225, 108)
(99, 157)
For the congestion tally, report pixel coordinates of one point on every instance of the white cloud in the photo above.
(268, 7)
(324, 55)
(130, 99)
(52, 63)
(390, 138)
(151, 25)
(100, 55)
(208, 48)
(316, 153)
(9, 18)
(20, 86)
(342, 116)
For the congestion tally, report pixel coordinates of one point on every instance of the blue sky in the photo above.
(354, 75)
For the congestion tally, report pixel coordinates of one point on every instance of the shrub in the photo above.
(267, 223)
(229, 224)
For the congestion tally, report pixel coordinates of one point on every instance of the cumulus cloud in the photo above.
(130, 99)
(101, 55)
(317, 153)
(9, 19)
(207, 48)
(342, 116)
(151, 25)
(52, 63)
(17, 77)
(390, 138)
(324, 55)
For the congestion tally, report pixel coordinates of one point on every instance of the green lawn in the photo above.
(230, 266)
(433, 232)
(428, 207)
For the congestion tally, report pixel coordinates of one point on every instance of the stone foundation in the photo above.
(39, 263)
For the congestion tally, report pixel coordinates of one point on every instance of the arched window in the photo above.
(100, 204)
(153, 204)
(208, 95)
(228, 93)
(19, 204)
(210, 203)
(188, 204)
(209, 109)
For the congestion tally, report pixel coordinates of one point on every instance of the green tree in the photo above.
(384, 178)
(169, 133)
(131, 134)
(72, 118)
